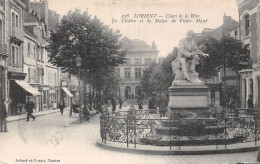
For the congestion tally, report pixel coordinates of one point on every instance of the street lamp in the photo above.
(78, 63)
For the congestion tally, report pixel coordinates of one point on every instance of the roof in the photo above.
(30, 18)
(228, 24)
(29, 33)
(136, 45)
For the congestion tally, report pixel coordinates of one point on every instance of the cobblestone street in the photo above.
(62, 139)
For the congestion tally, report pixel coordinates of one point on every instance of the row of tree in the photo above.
(227, 51)
(80, 34)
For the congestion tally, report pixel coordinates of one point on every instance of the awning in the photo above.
(67, 91)
(27, 87)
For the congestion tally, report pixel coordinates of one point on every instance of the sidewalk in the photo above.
(35, 113)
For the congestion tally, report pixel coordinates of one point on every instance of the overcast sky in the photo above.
(166, 35)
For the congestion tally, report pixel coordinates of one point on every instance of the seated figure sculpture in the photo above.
(188, 57)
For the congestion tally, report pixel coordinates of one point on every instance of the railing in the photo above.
(147, 127)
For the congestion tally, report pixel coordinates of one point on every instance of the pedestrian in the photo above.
(61, 106)
(3, 116)
(29, 109)
(250, 103)
(140, 102)
(125, 102)
(113, 102)
(120, 102)
(162, 105)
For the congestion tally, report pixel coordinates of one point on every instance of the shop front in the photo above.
(19, 91)
(66, 95)
(44, 90)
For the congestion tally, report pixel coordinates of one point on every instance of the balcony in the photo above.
(17, 35)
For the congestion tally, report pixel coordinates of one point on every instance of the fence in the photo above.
(147, 127)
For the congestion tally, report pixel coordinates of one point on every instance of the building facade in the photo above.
(249, 30)
(3, 51)
(139, 55)
(24, 67)
(15, 39)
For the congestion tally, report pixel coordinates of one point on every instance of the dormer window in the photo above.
(247, 24)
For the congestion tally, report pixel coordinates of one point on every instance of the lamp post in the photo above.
(78, 63)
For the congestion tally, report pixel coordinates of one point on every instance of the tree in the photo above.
(78, 34)
(158, 77)
(235, 54)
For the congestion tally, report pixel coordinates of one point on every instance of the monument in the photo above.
(187, 92)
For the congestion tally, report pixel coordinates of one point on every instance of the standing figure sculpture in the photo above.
(188, 57)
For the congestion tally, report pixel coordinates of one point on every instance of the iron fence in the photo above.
(147, 127)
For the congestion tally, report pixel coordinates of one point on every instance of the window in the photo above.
(137, 60)
(1, 31)
(127, 61)
(13, 23)
(17, 21)
(29, 49)
(34, 51)
(41, 53)
(14, 61)
(148, 61)
(16, 56)
(13, 55)
(247, 24)
(38, 53)
(137, 73)
(127, 73)
(29, 75)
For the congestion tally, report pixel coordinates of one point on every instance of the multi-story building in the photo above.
(3, 51)
(15, 39)
(249, 31)
(47, 75)
(139, 55)
(29, 73)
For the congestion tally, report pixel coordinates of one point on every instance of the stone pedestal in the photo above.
(187, 97)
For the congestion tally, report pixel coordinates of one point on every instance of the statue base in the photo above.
(180, 80)
(189, 98)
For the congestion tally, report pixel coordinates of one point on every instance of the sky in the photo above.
(162, 21)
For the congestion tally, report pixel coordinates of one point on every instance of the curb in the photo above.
(137, 150)
(41, 114)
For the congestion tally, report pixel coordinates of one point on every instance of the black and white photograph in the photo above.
(130, 81)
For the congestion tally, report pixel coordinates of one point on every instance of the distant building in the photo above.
(160, 60)
(139, 55)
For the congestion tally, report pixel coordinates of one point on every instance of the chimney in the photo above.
(42, 7)
(27, 4)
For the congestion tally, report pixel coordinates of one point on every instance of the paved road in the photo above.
(63, 140)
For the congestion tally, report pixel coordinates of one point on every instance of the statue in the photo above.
(188, 57)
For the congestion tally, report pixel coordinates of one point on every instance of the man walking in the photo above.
(120, 102)
(61, 106)
(3, 116)
(29, 109)
(113, 102)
